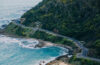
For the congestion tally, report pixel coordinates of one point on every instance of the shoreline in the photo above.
(43, 44)
(61, 60)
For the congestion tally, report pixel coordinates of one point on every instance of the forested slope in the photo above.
(79, 19)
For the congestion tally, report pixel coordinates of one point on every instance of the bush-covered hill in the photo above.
(75, 18)
(79, 19)
(67, 17)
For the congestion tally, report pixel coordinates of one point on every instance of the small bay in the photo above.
(11, 52)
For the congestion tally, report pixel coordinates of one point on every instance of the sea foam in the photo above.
(25, 43)
(18, 51)
(46, 54)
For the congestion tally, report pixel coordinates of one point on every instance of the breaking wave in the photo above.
(18, 51)
(14, 49)
(25, 43)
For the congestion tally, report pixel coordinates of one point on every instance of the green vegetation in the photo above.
(95, 49)
(79, 19)
(26, 32)
(55, 39)
(14, 29)
(81, 61)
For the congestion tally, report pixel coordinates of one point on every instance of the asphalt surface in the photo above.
(84, 52)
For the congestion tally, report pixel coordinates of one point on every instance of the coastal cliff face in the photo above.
(79, 19)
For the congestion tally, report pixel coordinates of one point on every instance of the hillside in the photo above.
(79, 19)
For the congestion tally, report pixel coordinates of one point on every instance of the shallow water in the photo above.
(14, 51)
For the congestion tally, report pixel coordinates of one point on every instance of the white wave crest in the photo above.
(8, 40)
(28, 43)
(25, 43)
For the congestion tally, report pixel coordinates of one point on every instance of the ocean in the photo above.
(20, 51)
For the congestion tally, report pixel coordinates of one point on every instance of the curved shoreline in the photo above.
(42, 44)
(61, 60)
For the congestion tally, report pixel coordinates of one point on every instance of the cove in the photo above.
(11, 50)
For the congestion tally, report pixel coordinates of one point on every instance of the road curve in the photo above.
(84, 52)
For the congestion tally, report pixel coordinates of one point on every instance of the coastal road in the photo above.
(84, 52)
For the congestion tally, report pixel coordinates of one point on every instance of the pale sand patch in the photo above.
(62, 63)
(49, 44)
(58, 63)
(44, 43)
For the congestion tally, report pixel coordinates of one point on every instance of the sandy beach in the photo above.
(62, 60)
(58, 61)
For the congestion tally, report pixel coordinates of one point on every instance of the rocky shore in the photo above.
(41, 44)
(62, 60)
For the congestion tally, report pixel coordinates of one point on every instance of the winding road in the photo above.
(84, 52)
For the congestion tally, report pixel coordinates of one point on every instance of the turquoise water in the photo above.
(14, 51)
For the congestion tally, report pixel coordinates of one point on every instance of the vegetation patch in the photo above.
(81, 61)
(79, 19)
